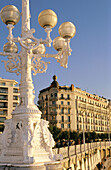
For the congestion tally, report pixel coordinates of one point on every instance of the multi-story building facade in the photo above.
(8, 99)
(74, 109)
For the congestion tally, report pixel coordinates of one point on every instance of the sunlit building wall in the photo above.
(9, 99)
(74, 109)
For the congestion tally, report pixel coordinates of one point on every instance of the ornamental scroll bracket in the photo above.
(12, 65)
(40, 66)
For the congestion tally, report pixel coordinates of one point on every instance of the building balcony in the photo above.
(68, 98)
(65, 106)
(90, 108)
(53, 98)
(3, 90)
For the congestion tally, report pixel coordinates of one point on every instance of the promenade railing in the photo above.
(76, 149)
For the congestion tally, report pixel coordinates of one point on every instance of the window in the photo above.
(62, 125)
(68, 111)
(15, 97)
(14, 104)
(80, 127)
(1, 128)
(2, 105)
(68, 118)
(46, 117)
(15, 90)
(77, 127)
(2, 119)
(3, 112)
(2, 97)
(62, 110)
(62, 102)
(51, 95)
(3, 90)
(53, 102)
(68, 103)
(68, 126)
(68, 96)
(55, 94)
(62, 118)
(46, 97)
(54, 110)
(62, 96)
(2, 84)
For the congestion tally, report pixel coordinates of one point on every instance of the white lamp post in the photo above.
(26, 138)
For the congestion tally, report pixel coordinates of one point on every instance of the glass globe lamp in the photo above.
(40, 49)
(10, 47)
(47, 18)
(59, 43)
(67, 30)
(10, 15)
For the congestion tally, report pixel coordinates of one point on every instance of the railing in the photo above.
(76, 149)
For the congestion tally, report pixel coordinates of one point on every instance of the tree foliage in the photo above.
(58, 134)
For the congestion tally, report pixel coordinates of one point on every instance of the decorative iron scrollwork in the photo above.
(12, 65)
(38, 65)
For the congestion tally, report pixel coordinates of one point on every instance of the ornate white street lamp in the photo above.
(26, 138)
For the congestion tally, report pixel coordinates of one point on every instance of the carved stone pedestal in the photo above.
(26, 140)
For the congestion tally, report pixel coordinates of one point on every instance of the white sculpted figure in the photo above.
(48, 139)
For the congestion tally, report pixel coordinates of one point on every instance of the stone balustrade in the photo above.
(76, 149)
(84, 156)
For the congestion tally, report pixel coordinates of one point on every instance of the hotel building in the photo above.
(74, 109)
(8, 99)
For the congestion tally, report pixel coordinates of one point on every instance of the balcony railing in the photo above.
(2, 91)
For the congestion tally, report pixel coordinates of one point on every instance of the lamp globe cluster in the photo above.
(47, 18)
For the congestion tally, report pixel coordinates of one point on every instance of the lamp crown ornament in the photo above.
(30, 140)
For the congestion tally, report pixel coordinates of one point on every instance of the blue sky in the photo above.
(89, 66)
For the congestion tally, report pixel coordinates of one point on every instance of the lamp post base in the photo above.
(26, 140)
